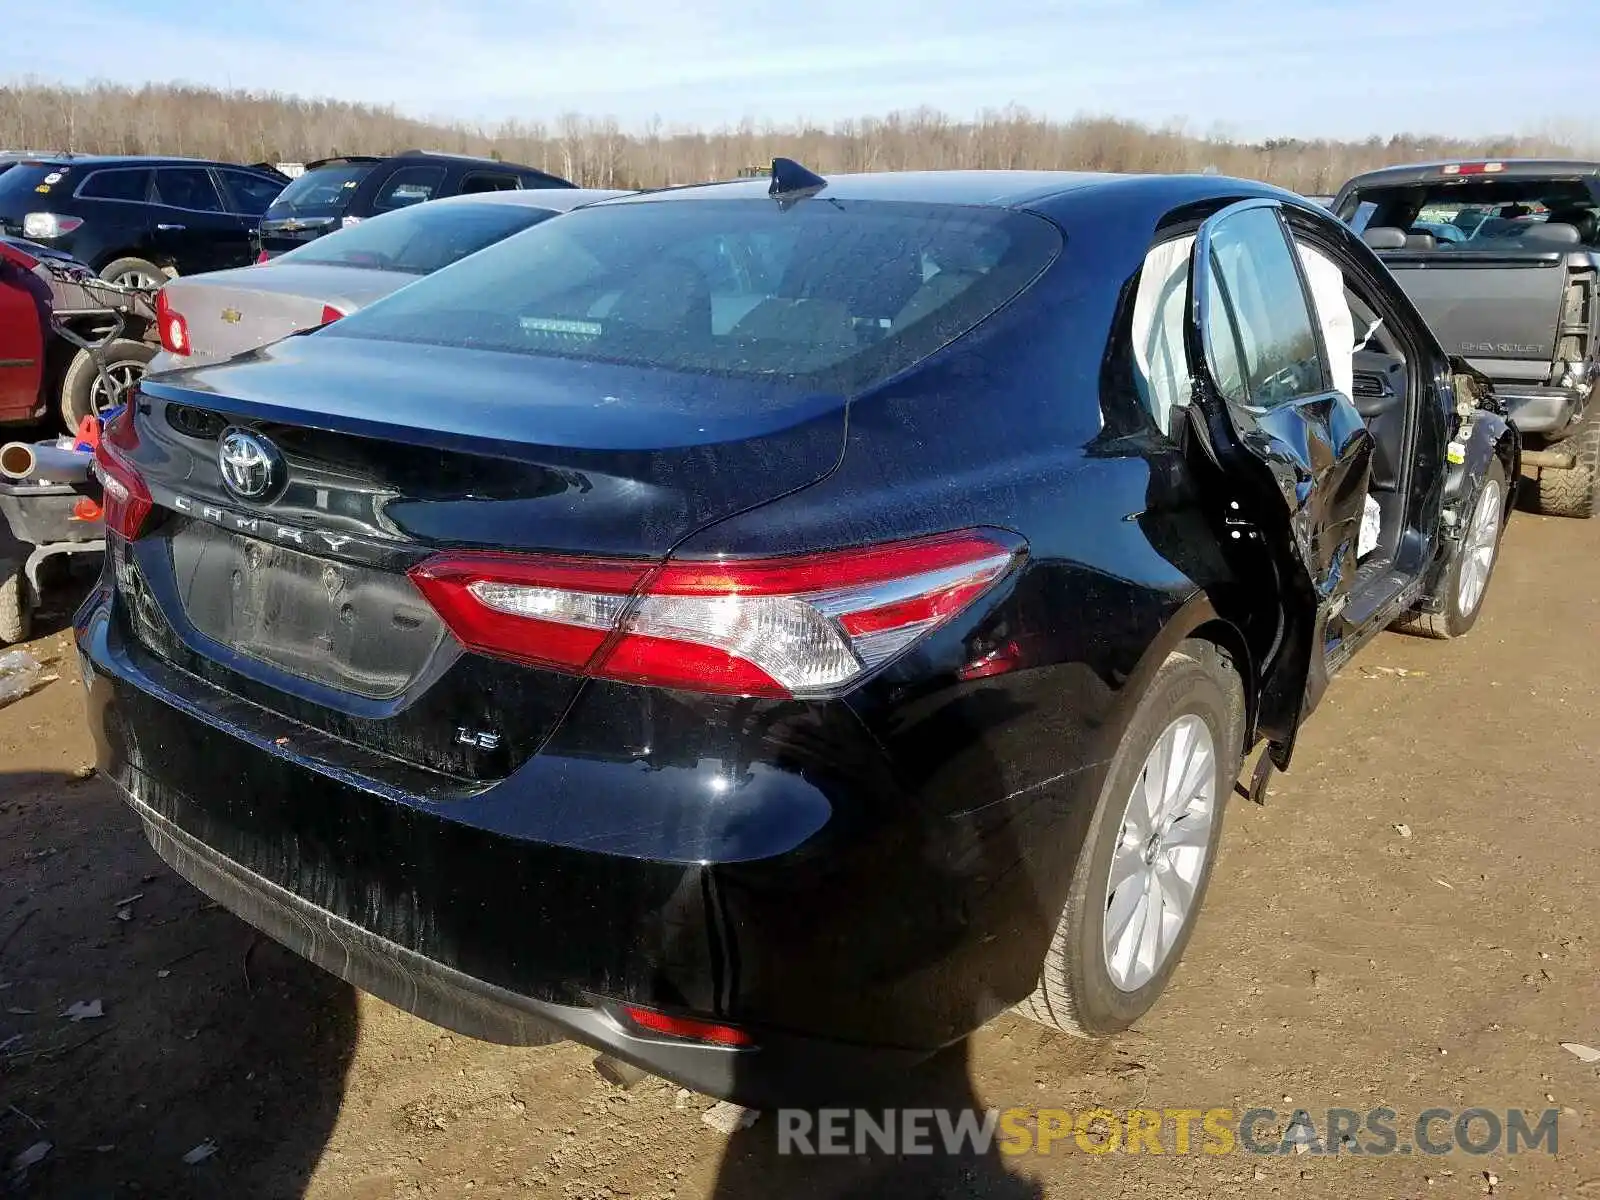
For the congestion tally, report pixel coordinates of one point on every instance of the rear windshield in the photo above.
(322, 192)
(840, 294)
(1479, 215)
(418, 240)
(25, 177)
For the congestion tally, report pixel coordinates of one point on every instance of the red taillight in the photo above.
(263, 257)
(330, 314)
(801, 625)
(174, 330)
(1484, 168)
(126, 499)
(687, 1027)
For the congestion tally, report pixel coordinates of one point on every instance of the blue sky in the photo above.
(1251, 68)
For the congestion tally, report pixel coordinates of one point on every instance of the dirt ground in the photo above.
(1341, 962)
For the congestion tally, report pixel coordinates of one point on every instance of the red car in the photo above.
(40, 369)
(24, 318)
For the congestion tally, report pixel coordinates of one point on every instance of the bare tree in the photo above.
(253, 126)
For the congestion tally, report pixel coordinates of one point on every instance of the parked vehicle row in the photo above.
(766, 629)
(218, 315)
(141, 221)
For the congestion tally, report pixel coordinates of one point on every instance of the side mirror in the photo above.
(1385, 237)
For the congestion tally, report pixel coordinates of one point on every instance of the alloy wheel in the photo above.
(1160, 857)
(1478, 549)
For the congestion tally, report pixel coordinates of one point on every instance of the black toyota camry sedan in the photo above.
(767, 629)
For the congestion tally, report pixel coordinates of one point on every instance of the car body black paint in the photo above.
(285, 227)
(187, 240)
(881, 871)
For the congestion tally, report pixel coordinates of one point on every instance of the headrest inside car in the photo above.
(1552, 233)
(1385, 237)
(1421, 241)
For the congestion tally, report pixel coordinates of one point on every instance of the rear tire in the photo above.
(81, 391)
(1462, 604)
(15, 616)
(1571, 493)
(1078, 992)
(134, 272)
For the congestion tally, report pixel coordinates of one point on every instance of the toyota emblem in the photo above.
(251, 466)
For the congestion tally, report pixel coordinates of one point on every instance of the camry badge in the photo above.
(251, 466)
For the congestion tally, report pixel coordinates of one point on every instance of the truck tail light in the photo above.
(126, 500)
(798, 625)
(330, 314)
(171, 325)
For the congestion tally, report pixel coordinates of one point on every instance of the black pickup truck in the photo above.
(1502, 259)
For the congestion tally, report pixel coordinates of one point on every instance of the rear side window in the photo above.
(1274, 355)
(420, 240)
(837, 293)
(250, 194)
(132, 185)
(409, 185)
(485, 181)
(187, 187)
(323, 191)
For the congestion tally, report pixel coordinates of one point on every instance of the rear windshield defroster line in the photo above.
(833, 294)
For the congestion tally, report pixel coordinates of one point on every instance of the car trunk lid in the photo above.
(300, 602)
(229, 312)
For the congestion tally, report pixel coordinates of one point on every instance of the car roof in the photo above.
(990, 189)
(1001, 189)
(130, 160)
(1509, 168)
(555, 199)
(423, 156)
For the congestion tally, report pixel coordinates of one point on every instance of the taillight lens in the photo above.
(330, 314)
(45, 225)
(172, 327)
(803, 625)
(126, 499)
(263, 257)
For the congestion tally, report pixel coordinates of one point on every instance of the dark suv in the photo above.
(138, 220)
(335, 192)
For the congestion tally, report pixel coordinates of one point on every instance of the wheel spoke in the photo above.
(1125, 904)
(1126, 863)
(1178, 889)
(1193, 831)
(1138, 815)
(1149, 934)
(1155, 778)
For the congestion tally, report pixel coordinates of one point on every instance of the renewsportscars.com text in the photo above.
(1012, 1131)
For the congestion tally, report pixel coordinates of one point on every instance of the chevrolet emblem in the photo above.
(232, 316)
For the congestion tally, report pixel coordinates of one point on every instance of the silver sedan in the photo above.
(216, 315)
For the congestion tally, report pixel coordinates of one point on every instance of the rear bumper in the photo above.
(766, 1076)
(1543, 410)
(851, 931)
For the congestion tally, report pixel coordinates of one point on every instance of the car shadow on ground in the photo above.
(761, 1164)
(197, 1038)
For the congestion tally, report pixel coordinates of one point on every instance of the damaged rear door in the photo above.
(1293, 445)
